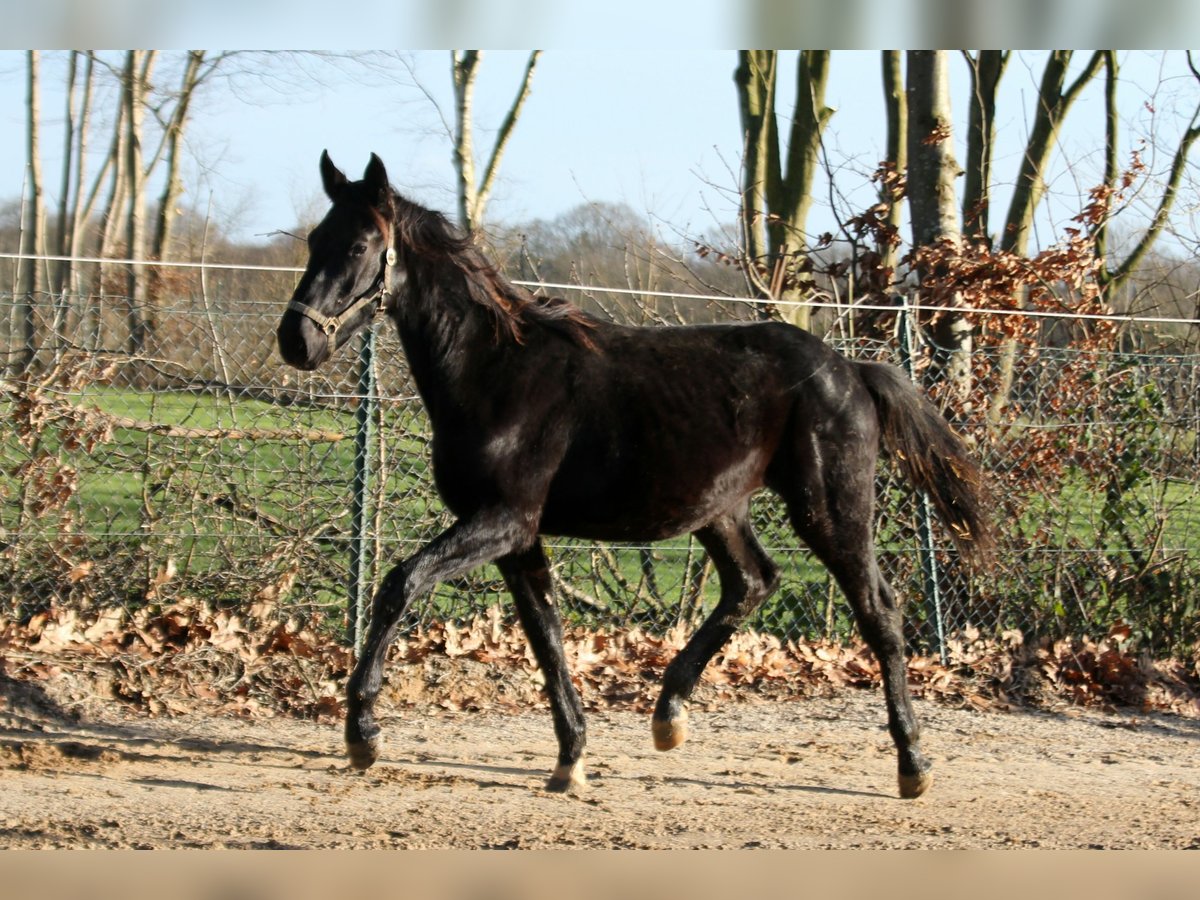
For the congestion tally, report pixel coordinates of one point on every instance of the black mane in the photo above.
(428, 236)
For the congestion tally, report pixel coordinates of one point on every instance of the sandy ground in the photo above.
(812, 773)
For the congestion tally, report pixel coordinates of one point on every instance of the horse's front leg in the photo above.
(466, 545)
(391, 601)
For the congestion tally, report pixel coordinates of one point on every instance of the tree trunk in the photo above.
(776, 201)
(1053, 102)
(464, 66)
(135, 78)
(108, 240)
(79, 213)
(1111, 164)
(755, 82)
(931, 200)
(896, 105)
(809, 118)
(931, 164)
(30, 281)
(172, 184)
(62, 244)
(114, 173)
(473, 194)
(986, 70)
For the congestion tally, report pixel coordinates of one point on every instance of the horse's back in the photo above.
(670, 426)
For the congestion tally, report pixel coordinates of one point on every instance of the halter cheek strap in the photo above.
(331, 324)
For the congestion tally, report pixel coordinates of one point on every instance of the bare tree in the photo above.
(987, 68)
(134, 81)
(197, 69)
(755, 81)
(932, 171)
(173, 132)
(113, 177)
(1055, 98)
(1114, 276)
(30, 281)
(896, 106)
(473, 193)
(64, 191)
(777, 183)
(72, 212)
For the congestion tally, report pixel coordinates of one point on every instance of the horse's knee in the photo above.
(390, 598)
(771, 576)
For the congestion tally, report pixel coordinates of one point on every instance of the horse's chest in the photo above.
(501, 466)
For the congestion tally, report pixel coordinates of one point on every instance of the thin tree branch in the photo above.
(493, 165)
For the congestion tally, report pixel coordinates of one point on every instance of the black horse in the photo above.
(548, 421)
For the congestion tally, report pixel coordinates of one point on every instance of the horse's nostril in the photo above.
(293, 349)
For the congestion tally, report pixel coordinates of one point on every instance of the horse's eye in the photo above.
(358, 249)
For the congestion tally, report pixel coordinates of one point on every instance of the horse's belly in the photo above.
(649, 502)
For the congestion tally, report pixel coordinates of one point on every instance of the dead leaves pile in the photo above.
(1077, 672)
(174, 659)
(263, 661)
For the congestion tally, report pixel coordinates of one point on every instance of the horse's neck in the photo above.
(446, 337)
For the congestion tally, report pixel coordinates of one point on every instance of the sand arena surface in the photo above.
(806, 773)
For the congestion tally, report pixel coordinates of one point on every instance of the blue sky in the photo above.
(655, 129)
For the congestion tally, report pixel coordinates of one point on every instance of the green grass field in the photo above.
(234, 512)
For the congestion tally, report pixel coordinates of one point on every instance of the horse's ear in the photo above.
(331, 177)
(375, 178)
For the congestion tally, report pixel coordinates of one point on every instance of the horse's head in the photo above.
(352, 268)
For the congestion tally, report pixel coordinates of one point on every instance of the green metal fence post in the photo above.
(925, 548)
(364, 474)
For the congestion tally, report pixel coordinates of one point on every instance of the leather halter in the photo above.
(331, 324)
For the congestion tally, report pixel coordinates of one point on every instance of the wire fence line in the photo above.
(1130, 318)
(198, 465)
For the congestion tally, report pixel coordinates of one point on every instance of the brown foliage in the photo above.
(263, 661)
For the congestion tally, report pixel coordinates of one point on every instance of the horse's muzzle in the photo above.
(301, 344)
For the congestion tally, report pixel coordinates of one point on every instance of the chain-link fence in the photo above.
(166, 452)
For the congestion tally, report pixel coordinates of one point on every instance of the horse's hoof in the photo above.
(362, 739)
(912, 786)
(567, 779)
(363, 753)
(671, 733)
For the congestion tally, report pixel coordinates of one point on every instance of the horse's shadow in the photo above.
(598, 779)
(32, 714)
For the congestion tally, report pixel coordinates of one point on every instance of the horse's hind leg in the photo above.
(835, 520)
(528, 578)
(881, 624)
(747, 576)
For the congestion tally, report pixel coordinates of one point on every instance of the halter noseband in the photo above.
(331, 324)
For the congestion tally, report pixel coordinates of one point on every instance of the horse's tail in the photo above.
(932, 457)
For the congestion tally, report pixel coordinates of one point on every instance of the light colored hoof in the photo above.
(567, 779)
(915, 785)
(669, 735)
(363, 753)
